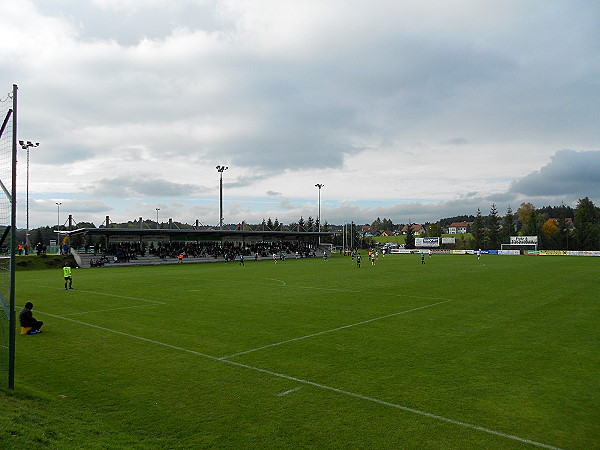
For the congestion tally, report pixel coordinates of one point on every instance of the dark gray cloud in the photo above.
(142, 185)
(569, 173)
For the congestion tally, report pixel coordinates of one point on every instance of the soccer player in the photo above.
(478, 253)
(242, 260)
(422, 258)
(68, 276)
(358, 260)
(429, 253)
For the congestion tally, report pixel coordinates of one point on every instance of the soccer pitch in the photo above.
(501, 352)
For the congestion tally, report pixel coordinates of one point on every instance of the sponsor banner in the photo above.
(427, 242)
(441, 252)
(462, 252)
(520, 240)
(553, 252)
(531, 252)
(448, 240)
(400, 250)
(509, 252)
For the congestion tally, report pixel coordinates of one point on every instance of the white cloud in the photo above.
(408, 103)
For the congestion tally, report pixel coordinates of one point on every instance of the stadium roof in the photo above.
(194, 233)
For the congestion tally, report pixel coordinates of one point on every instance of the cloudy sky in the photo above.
(410, 110)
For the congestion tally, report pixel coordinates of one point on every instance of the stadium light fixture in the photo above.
(26, 146)
(221, 169)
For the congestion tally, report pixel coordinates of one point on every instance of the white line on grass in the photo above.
(105, 310)
(320, 386)
(281, 394)
(111, 295)
(317, 288)
(334, 329)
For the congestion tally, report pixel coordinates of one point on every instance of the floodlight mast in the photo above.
(221, 169)
(319, 185)
(26, 146)
(58, 227)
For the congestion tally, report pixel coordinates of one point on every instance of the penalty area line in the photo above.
(332, 330)
(320, 386)
(111, 295)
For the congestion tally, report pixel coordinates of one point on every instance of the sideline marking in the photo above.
(320, 386)
(109, 295)
(333, 329)
(283, 283)
(281, 394)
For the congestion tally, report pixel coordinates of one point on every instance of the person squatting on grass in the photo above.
(26, 319)
(68, 276)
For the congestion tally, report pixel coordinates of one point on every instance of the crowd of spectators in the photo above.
(126, 251)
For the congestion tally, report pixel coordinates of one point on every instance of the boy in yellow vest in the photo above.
(67, 275)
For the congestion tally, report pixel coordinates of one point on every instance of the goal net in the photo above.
(7, 218)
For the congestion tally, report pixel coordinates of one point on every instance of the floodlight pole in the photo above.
(58, 228)
(26, 146)
(157, 210)
(319, 185)
(221, 169)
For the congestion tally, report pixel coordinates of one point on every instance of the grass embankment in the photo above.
(42, 262)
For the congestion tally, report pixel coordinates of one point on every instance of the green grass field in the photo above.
(457, 353)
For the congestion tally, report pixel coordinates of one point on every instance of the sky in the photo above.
(408, 110)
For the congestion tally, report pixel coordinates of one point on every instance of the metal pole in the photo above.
(319, 185)
(157, 210)
(26, 146)
(221, 169)
(58, 228)
(13, 238)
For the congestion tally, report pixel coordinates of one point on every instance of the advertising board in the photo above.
(523, 240)
(427, 242)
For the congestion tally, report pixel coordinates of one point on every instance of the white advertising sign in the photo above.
(427, 242)
(520, 240)
(448, 240)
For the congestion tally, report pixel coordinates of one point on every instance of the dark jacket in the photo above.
(26, 318)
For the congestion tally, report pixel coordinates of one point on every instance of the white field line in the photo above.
(320, 386)
(351, 291)
(110, 295)
(334, 329)
(105, 310)
(281, 394)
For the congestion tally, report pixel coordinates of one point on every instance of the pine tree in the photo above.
(410, 237)
(508, 226)
(493, 228)
(586, 228)
(477, 230)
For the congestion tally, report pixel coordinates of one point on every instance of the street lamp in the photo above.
(157, 210)
(58, 228)
(221, 169)
(319, 185)
(26, 146)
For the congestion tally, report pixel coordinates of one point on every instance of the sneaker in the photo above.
(33, 331)
(70, 288)
(38, 331)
